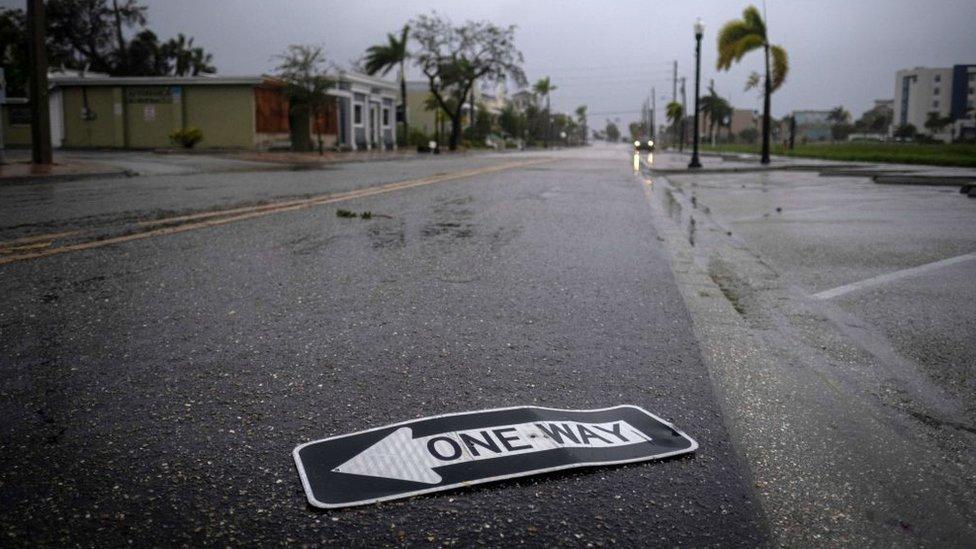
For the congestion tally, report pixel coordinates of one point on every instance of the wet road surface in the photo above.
(154, 389)
(835, 316)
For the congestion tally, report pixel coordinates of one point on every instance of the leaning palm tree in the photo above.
(740, 36)
(581, 117)
(545, 87)
(384, 57)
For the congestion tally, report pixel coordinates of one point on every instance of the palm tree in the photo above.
(581, 117)
(384, 57)
(188, 60)
(739, 37)
(675, 113)
(716, 109)
(545, 87)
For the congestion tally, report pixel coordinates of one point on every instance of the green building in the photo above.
(248, 112)
(16, 122)
(141, 112)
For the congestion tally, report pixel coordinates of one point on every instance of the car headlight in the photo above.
(637, 143)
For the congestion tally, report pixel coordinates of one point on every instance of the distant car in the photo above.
(644, 145)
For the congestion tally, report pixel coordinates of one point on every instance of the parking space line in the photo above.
(893, 276)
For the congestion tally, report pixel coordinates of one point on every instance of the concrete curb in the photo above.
(745, 169)
(931, 180)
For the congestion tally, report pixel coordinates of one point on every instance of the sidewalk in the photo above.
(22, 171)
(314, 158)
(893, 174)
(83, 164)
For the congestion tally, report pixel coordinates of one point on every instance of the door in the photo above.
(374, 125)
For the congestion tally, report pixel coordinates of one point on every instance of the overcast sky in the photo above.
(608, 54)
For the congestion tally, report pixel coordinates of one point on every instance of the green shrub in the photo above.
(418, 137)
(187, 137)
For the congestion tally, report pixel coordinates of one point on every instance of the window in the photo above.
(969, 104)
(938, 78)
(935, 91)
(972, 77)
(935, 104)
(971, 90)
(386, 116)
(357, 115)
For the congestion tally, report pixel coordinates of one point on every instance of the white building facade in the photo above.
(366, 110)
(946, 91)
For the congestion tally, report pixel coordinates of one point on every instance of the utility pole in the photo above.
(40, 116)
(3, 99)
(674, 94)
(650, 133)
(644, 115)
(674, 82)
(684, 115)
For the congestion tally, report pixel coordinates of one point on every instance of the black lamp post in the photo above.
(699, 31)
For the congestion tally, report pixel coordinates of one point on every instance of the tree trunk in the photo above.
(123, 55)
(455, 129)
(403, 103)
(766, 122)
(298, 123)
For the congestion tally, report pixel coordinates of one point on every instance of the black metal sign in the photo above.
(444, 452)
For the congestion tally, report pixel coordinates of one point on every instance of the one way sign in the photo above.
(444, 452)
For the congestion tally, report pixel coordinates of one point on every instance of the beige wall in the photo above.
(145, 116)
(151, 114)
(15, 135)
(102, 127)
(225, 114)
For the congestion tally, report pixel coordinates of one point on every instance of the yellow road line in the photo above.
(241, 214)
(17, 242)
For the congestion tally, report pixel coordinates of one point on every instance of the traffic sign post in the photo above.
(445, 452)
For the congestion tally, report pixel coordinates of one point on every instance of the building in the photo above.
(947, 91)
(366, 108)
(422, 118)
(742, 119)
(812, 126)
(16, 122)
(245, 112)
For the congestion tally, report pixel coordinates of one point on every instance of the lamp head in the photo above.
(699, 27)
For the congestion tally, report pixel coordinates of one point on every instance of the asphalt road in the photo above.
(153, 390)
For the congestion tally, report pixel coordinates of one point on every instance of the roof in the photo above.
(58, 80)
(358, 77)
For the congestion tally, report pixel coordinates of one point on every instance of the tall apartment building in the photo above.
(947, 91)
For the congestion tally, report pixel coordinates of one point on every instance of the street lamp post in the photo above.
(699, 31)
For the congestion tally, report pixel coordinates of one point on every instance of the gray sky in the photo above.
(607, 54)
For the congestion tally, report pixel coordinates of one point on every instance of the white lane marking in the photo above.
(891, 277)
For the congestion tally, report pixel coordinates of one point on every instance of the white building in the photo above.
(946, 91)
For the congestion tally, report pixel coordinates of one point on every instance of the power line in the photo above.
(596, 67)
(608, 113)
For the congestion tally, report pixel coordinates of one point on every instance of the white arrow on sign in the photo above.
(402, 457)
